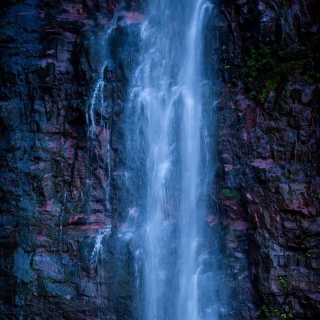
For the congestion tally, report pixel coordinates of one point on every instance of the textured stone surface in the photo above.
(56, 171)
(54, 178)
(269, 153)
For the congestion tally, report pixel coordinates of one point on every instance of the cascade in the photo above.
(169, 161)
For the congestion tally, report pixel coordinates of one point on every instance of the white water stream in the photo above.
(168, 158)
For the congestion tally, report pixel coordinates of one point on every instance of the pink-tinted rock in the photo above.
(133, 17)
(212, 220)
(239, 225)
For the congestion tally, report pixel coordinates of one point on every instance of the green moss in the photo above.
(283, 281)
(231, 194)
(266, 313)
(266, 67)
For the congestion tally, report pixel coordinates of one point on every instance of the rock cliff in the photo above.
(269, 148)
(62, 157)
(55, 168)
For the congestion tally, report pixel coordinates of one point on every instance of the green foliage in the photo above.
(231, 194)
(284, 282)
(266, 66)
(266, 313)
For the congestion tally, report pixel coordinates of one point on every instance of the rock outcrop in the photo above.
(269, 148)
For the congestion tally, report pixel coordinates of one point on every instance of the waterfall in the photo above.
(168, 157)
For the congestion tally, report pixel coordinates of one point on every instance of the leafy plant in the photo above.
(284, 282)
(265, 67)
(266, 314)
(231, 194)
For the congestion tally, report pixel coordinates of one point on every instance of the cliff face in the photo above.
(61, 157)
(55, 171)
(269, 147)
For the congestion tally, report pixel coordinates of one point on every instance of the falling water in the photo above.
(99, 132)
(168, 157)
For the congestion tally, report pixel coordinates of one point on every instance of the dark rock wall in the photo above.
(56, 170)
(269, 148)
(54, 176)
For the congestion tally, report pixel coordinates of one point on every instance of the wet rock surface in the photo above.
(56, 171)
(269, 153)
(54, 174)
